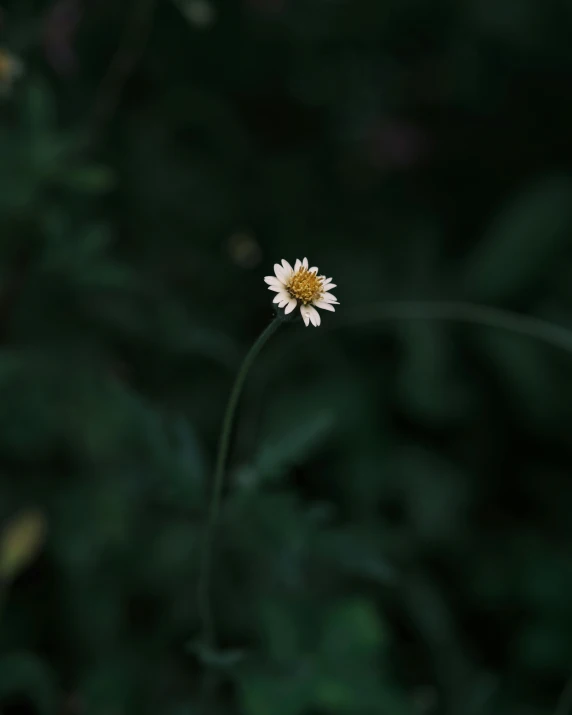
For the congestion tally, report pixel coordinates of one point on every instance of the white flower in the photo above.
(301, 285)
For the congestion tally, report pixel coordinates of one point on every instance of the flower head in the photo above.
(11, 67)
(301, 286)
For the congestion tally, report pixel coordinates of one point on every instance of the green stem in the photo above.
(564, 706)
(460, 312)
(204, 602)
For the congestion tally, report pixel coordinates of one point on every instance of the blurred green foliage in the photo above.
(395, 537)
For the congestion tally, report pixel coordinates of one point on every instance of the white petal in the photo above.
(305, 314)
(324, 306)
(314, 316)
(276, 289)
(305, 263)
(314, 269)
(297, 265)
(280, 272)
(290, 307)
(287, 267)
(329, 298)
(272, 281)
(281, 297)
(329, 286)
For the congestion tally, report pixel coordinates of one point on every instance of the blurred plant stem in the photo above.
(564, 706)
(472, 313)
(204, 603)
(123, 63)
(465, 688)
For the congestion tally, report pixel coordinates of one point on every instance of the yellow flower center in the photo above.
(305, 286)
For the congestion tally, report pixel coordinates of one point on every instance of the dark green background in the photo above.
(396, 535)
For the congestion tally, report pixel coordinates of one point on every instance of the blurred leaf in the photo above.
(281, 633)
(544, 646)
(288, 443)
(294, 445)
(353, 626)
(349, 658)
(190, 453)
(110, 684)
(428, 385)
(287, 693)
(73, 249)
(432, 615)
(88, 179)
(523, 368)
(39, 109)
(212, 658)
(21, 541)
(528, 237)
(358, 551)
(25, 674)
(436, 493)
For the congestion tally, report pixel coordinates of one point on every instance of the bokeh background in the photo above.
(396, 536)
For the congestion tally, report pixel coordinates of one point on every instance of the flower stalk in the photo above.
(204, 582)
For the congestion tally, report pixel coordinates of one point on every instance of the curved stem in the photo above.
(564, 706)
(474, 313)
(205, 611)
